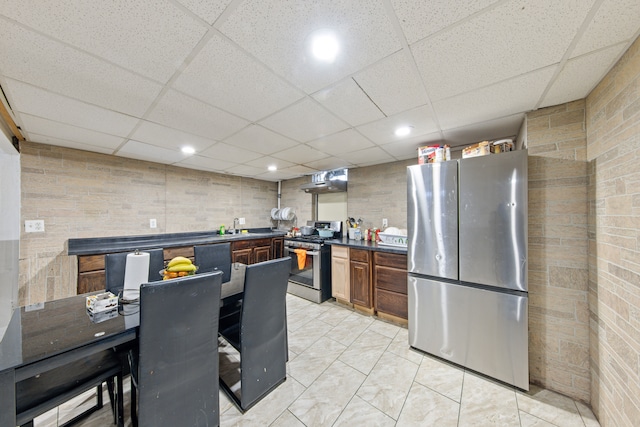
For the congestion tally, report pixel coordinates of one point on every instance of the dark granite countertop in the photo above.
(372, 246)
(104, 245)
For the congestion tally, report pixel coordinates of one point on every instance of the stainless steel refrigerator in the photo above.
(467, 262)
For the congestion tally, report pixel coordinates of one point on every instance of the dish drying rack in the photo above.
(286, 214)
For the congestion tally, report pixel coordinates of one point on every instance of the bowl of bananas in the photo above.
(178, 267)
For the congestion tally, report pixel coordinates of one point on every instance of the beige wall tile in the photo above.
(81, 194)
(614, 149)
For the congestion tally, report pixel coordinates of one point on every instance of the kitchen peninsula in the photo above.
(259, 244)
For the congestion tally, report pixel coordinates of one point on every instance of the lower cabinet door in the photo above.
(242, 256)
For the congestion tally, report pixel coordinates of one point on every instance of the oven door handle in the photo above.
(312, 253)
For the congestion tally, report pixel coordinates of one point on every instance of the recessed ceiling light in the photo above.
(272, 168)
(188, 150)
(325, 46)
(403, 130)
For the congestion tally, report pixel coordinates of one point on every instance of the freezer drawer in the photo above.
(482, 330)
(432, 219)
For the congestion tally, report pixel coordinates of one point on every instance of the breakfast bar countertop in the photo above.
(104, 245)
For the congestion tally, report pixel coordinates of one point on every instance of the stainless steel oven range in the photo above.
(310, 276)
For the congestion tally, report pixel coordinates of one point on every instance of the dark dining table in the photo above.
(44, 336)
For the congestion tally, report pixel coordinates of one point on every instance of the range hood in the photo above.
(327, 182)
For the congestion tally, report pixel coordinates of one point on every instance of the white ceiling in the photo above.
(235, 80)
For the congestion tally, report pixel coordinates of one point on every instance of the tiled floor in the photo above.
(347, 369)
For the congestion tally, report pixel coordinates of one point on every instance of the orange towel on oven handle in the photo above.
(302, 257)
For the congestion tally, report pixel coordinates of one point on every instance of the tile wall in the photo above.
(558, 245)
(83, 194)
(613, 150)
(9, 234)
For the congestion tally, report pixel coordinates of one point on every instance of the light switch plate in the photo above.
(34, 226)
(153, 223)
(241, 221)
(385, 223)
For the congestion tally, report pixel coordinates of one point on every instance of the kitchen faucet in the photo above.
(235, 220)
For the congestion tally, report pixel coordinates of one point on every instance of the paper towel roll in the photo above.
(136, 272)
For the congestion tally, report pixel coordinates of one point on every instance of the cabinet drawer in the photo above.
(360, 255)
(392, 303)
(391, 260)
(391, 279)
(90, 282)
(244, 244)
(340, 251)
(90, 263)
(185, 251)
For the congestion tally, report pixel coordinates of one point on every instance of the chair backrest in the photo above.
(178, 351)
(115, 264)
(214, 257)
(263, 326)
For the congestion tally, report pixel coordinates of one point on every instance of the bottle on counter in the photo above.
(222, 230)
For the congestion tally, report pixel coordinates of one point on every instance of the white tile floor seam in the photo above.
(349, 369)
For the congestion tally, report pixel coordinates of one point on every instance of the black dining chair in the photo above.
(175, 369)
(259, 332)
(46, 390)
(115, 264)
(214, 257)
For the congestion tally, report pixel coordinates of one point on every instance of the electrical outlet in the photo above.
(153, 223)
(241, 221)
(385, 223)
(35, 226)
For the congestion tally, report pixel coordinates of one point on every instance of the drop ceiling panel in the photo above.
(224, 76)
(615, 21)
(278, 33)
(67, 71)
(393, 84)
(514, 38)
(261, 140)
(329, 163)
(67, 132)
(152, 41)
(407, 149)
(29, 99)
(300, 154)
(347, 100)
(341, 143)
(162, 136)
(369, 156)
(304, 121)
(245, 170)
(35, 137)
(420, 19)
(276, 176)
(577, 78)
(382, 131)
(265, 161)
(206, 163)
(209, 10)
(226, 152)
(151, 153)
(183, 112)
(489, 130)
(519, 94)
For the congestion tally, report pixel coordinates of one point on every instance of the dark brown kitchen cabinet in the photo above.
(360, 278)
(251, 251)
(390, 284)
(277, 248)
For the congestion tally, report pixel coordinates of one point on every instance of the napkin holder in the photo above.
(105, 301)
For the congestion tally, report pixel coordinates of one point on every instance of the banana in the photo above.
(179, 260)
(182, 267)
